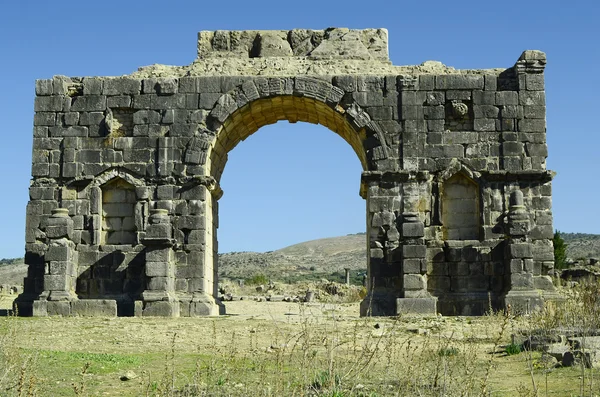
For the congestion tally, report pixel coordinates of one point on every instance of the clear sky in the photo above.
(293, 182)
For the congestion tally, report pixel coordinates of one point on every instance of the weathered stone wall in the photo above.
(136, 161)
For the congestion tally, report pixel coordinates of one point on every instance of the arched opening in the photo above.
(248, 119)
(260, 113)
(460, 208)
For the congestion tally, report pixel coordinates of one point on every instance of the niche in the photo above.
(460, 208)
(118, 213)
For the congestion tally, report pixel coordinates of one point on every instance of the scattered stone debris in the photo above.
(129, 375)
(568, 347)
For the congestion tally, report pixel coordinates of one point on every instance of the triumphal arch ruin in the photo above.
(123, 210)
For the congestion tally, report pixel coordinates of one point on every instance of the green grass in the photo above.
(100, 363)
(513, 348)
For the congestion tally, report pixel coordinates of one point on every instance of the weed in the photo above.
(448, 352)
(513, 348)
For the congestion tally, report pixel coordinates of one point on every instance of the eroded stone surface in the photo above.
(126, 170)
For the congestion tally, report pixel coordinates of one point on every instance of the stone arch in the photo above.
(113, 173)
(244, 110)
(254, 104)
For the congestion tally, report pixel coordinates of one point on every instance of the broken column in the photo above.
(159, 296)
(521, 297)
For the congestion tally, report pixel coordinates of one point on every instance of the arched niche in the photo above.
(460, 208)
(118, 213)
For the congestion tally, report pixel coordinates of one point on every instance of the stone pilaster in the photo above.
(521, 296)
(60, 267)
(159, 296)
(384, 271)
(416, 298)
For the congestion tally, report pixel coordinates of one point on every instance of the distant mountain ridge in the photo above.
(310, 259)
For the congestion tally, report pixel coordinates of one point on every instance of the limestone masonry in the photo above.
(123, 211)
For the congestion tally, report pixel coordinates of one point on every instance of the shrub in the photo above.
(513, 348)
(560, 251)
(258, 279)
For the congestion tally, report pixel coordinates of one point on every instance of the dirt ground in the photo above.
(277, 348)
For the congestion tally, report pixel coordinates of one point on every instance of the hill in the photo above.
(315, 259)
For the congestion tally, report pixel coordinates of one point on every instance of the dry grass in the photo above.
(286, 349)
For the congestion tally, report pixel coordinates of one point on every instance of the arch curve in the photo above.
(263, 101)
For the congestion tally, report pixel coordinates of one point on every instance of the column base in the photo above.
(523, 302)
(23, 305)
(206, 305)
(43, 308)
(378, 304)
(161, 309)
(425, 305)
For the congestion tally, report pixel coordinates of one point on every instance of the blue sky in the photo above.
(289, 183)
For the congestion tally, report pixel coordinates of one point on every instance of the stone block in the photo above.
(138, 308)
(520, 250)
(484, 124)
(161, 284)
(459, 82)
(415, 282)
(507, 98)
(94, 307)
(40, 308)
(44, 119)
(122, 86)
(484, 98)
(532, 98)
(512, 148)
(534, 82)
(89, 103)
(64, 268)
(537, 149)
(516, 265)
(521, 281)
(121, 101)
(543, 283)
(485, 111)
(160, 86)
(161, 309)
(55, 308)
(532, 125)
(159, 254)
(43, 87)
(146, 117)
(158, 269)
(491, 82)
(188, 84)
(92, 85)
(416, 306)
(411, 266)
(435, 98)
(414, 251)
(48, 104)
(413, 229)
